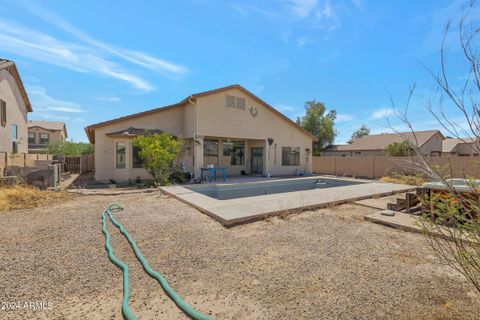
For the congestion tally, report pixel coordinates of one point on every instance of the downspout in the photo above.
(194, 135)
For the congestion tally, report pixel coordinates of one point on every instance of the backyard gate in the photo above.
(72, 164)
(78, 164)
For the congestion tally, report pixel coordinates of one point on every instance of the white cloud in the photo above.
(302, 8)
(107, 98)
(136, 57)
(43, 103)
(285, 108)
(382, 113)
(303, 40)
(38, 46)
(343, 117)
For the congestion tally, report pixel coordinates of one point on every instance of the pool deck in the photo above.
(244, 210)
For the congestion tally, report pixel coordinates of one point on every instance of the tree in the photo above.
(319, 124)
(399, 149)
(69, 148)
(451, 219)
(360, 132)
(159, 153)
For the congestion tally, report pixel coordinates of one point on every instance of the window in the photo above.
(137, 160)
(120, 155)
(14, 131)
(290, 156)
(44, 138)
(14, 147)
(210, 148)
(31, 138)
(3, 112)
(210, 151)
(235, 150)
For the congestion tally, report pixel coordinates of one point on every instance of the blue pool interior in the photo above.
(243, 190)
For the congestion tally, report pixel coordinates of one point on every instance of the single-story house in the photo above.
(14, 106)
(42, 133)
(227, 127)
(429, 142)
(462, 147)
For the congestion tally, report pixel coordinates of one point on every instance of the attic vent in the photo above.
(235, 102)
(229, 101)
(240, 103)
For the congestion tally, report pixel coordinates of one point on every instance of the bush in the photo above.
(416, 180)
(159, 153)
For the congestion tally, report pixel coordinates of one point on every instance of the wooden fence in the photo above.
(378, 166)
(78, 164)
(21, 159)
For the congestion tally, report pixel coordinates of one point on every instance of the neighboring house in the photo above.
(14, 106)
(228, 127)
(42, 133)
(462, 147)
(430, 142)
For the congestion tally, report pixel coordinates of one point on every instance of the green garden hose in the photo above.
(127, 313)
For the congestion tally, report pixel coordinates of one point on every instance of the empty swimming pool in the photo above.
(243, 190)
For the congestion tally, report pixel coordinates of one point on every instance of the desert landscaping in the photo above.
(323, 264)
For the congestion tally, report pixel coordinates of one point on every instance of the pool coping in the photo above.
(249, 209)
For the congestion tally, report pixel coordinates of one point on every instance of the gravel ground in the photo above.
(323, 264)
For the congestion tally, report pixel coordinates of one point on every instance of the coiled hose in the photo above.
(127, 313)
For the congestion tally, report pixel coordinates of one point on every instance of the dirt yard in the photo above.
(325, 264)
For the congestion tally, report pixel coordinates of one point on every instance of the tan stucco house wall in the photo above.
(208, 118)
(13, 96)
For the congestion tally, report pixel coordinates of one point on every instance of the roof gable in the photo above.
(48, 125)
(191, 99)
(12, 69)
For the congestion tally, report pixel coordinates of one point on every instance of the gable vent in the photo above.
(240, 103)
(234, 102)
(229, 101)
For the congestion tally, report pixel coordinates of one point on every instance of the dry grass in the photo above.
(404, 179)
(26, 197)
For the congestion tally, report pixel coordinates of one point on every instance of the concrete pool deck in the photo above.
(243, 210)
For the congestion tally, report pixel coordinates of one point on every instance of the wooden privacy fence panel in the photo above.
(378, 166)
(21, 159)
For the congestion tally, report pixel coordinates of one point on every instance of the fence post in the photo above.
(334, 166)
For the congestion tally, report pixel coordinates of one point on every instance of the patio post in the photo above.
(197, 155)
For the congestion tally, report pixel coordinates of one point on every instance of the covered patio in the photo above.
(240, 157)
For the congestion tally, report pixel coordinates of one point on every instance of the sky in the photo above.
(84, 62)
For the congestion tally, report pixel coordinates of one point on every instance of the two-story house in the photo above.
(14, 106)
(43, 133)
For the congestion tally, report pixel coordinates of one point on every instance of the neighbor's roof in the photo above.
(450, 143)
(48, 125)
(381, 141)
(12, 68)
(90, 129)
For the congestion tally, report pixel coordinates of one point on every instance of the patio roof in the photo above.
(134, 132)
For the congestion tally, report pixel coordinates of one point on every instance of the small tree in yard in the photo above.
(453, 214)
(69, 148)
(361, 132)
(319, 123)
(399, 149)
(159, 152)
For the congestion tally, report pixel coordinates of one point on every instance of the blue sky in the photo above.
(88, 61)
